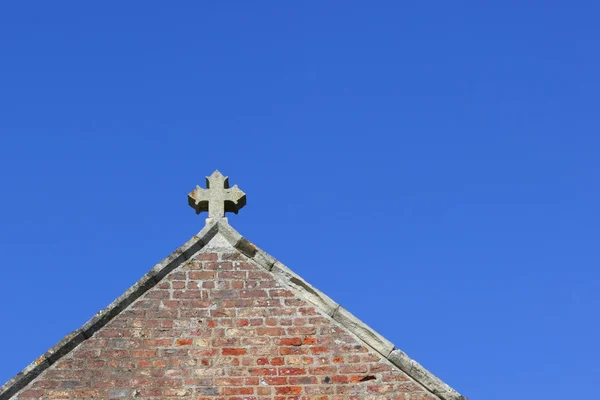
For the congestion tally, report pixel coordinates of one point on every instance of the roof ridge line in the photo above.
(338, 313)
(289, 278)
(101, 318)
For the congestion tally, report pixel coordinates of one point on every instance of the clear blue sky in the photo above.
(433, 167)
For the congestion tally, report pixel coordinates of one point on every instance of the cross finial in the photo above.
(217, 198)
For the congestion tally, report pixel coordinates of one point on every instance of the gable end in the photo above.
(281, 273)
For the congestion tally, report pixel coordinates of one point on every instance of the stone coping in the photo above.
(290, 279)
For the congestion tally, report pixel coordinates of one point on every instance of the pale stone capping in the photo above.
(101, 318)
(424, 377)
(289, 278)
(363, 332)
(304, 289)
(264, 260)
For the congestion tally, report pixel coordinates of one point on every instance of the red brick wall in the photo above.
(220, 327)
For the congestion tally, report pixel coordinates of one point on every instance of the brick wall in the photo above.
(221, 327)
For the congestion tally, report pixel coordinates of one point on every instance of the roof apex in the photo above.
(289, 278)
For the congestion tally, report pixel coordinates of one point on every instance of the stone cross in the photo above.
(217, 198)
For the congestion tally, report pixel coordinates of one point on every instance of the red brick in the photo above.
(288, 390)
(228, 351)
(271, 331)
(296, 341)
(222, 329)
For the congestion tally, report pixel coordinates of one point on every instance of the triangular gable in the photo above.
(218, 233)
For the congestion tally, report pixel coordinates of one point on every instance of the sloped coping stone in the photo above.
(364, 332)
(304, 289)
(285, 275)
(101, 318)
(424, 377)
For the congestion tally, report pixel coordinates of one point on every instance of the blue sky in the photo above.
(433, 167)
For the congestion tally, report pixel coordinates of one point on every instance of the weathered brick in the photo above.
(222, 329)
(295, 341)
(228, 351)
